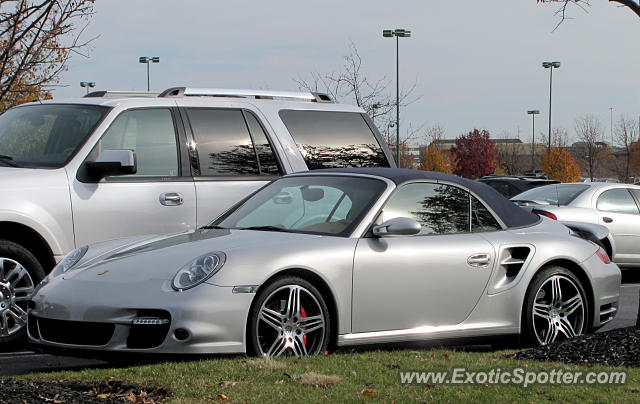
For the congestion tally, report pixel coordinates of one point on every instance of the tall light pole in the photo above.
(87, 84)
(611, 127)
(398, 33)
(533, 114)
(551, 66)
(148, 60)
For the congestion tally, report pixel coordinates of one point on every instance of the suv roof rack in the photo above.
(243, 93)
(121, 94)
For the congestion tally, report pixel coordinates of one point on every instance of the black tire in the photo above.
(321, 337)
(529, 320)
(16, 252)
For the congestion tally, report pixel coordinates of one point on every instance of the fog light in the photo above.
(181, 334)
(150, 321)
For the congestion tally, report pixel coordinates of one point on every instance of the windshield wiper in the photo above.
(263, 228)
(8, 160)
(210, 227)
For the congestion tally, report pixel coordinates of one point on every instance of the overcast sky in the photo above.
(477, 63)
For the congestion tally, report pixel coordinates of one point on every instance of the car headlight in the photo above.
(68, 262)
(198, 270)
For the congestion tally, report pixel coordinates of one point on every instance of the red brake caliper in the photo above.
(303, 314)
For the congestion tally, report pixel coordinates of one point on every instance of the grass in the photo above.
(349, 377)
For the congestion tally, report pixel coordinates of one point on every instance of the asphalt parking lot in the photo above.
(24, 360)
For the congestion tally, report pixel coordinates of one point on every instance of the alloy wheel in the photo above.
(558, 310)
(16, 287)
(290, 322)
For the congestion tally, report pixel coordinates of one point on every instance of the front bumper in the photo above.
(149, 318)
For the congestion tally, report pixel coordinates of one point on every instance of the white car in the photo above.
(616, 206)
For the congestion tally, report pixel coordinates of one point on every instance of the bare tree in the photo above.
(633, 5)
(350, 83)
(513, 156)
(435, 134)
(591, 147)
(625, 135)
(37, 38)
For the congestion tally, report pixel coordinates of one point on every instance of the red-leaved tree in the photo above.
(475, 154)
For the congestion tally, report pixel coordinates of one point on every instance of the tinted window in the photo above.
(223, 144)
(636, 193)
(334, 139)
(481, 218)
(46, 135)
(617, 200)
(268, 161)
(504, 188)
(150, 133)
(561, 194)
(440, 209)
(326, 205)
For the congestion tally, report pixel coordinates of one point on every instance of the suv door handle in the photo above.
(479, 260)
(171, 199)
(607, 219)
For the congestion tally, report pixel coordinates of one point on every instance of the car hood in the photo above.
(160, 257)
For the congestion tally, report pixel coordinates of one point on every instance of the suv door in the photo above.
(617, 209)
(231, 156)
(158, 199)
(433, 278)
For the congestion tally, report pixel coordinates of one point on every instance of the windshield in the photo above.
(45, 135)
(331, 205)
(561, 194)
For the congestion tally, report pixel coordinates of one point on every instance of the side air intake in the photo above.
(512, 260)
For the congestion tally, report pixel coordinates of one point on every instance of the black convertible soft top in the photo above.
(510, 214)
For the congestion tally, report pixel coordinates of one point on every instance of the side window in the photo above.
(151, 134)
(481, 218)
(440, 209)
(617, 200)
(268, 161)
(223, 143)
(328, 139)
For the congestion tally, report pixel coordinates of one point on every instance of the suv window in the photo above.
(224, 145)
(504, 188)
(151, 134)
(266, 157)
(617, 200)
(329, 139)
(46, 135)
(440, 209)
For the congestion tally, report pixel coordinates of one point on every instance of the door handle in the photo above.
(607, 219)
(171, 199)
(479, 260)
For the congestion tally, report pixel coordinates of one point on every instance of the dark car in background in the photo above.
(512, 186)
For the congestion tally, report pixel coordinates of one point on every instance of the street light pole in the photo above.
(398, 33)
(611, 127)
(533, 114)
(551, 66)
(87, 84)
(147, 60)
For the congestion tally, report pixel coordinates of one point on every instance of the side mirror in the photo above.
(113, 162)
(399, 226)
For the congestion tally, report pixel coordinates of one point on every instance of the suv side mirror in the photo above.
(113, 162)
(399, 226)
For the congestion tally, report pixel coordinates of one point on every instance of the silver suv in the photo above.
(115, 164)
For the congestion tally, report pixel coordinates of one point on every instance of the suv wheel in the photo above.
(20, 272)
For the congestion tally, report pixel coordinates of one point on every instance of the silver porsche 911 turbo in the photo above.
(334, 257)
